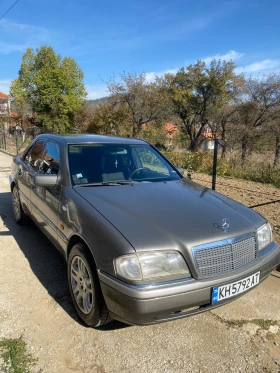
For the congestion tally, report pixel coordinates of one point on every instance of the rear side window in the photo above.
(51, 159)
(34, 156)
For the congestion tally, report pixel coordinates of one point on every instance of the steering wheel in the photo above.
(137, 170)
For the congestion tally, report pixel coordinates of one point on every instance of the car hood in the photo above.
(170, 215)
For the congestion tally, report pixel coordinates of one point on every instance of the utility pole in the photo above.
(215, 158)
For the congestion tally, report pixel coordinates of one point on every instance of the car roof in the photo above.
(88, 138)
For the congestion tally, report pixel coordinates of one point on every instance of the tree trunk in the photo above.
(224, 150)
(277, 150)
(134, 130)
(194, 146)
(244, 146)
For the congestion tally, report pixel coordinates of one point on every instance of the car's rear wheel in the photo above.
(19, 215)
(85, 288)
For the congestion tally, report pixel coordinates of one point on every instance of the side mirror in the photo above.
(45, 180)
(180, 170)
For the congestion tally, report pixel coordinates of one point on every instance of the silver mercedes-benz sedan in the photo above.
(143, 244)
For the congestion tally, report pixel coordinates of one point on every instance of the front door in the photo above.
(45, 200)
(27, 167)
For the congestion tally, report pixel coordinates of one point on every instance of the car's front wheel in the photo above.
(85, 288)
(19, 215)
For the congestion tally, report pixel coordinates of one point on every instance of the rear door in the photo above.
(26, 168)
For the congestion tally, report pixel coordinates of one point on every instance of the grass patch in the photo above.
(264, 324)
(14, 357)
(237, 323)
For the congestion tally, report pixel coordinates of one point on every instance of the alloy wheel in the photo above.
(81, 284)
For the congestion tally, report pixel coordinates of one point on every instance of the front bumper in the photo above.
(149, 304)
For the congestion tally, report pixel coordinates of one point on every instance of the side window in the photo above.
(150, 160)
(35, 155)
(51, 159)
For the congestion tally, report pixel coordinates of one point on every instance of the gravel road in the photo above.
(35, 303)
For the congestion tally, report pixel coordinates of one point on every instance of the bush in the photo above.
(200, 162)
(255, 170)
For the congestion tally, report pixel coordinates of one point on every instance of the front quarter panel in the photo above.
(78, 217)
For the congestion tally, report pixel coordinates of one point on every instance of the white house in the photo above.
(4, 104)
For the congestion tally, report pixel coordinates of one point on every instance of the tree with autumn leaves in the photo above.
(192, 98)
(237, 109)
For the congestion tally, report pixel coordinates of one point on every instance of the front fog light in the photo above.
(264, 236)
(153, 266)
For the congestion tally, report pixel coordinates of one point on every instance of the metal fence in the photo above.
(14, 142)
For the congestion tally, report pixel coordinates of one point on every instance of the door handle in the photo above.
(19, 171)
(33, 186)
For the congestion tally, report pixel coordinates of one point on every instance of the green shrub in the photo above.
(254, 170)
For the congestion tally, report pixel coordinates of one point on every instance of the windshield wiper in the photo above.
(107, 183)
(120, 182)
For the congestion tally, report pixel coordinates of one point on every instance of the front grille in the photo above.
(218, 259)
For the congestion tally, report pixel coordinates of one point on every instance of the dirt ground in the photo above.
(35, 303)
(264, 197)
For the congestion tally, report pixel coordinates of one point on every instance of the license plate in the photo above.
(235, 288)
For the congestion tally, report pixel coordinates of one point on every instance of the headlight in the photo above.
(153, 266)
(264, 236)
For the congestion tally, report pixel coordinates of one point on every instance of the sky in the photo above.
(109, 37)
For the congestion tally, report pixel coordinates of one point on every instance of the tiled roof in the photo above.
(169, 127)
(2, 95)
(210, 136)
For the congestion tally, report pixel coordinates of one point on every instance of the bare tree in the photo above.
(272, 134)
(143, 102)
(259, 105)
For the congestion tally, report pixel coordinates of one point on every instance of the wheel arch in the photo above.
(78, 239)
(12, 185)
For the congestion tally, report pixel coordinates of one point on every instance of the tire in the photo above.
(85, 288)
(19, 215)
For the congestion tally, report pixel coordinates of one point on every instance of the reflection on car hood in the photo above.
(174, 214)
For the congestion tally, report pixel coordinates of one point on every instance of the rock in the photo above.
(262, 333)
(273, 329)
(251, 328)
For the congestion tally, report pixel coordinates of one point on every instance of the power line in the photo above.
(264, 204)
(9, 9)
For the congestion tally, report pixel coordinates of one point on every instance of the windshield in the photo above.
(102, 164)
